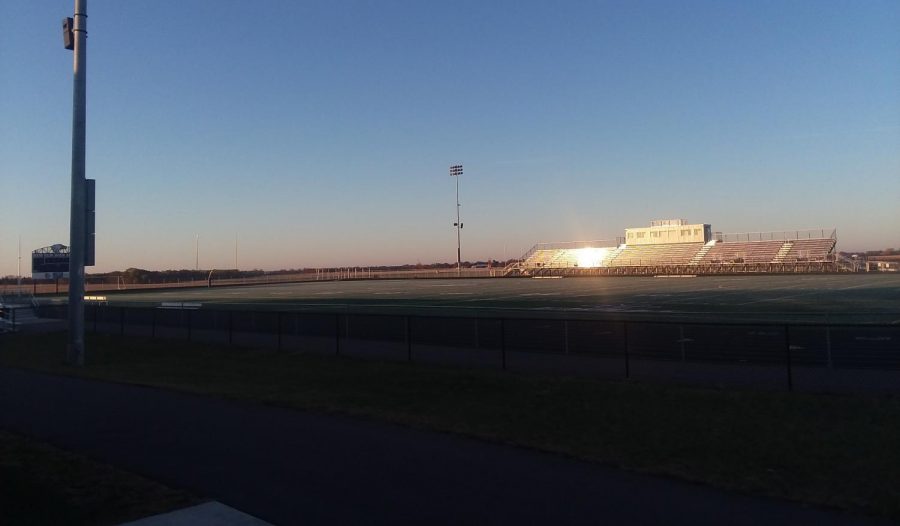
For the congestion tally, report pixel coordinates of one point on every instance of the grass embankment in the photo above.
(838, 451)
(40, 485)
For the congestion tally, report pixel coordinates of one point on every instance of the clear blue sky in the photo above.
(319, 133)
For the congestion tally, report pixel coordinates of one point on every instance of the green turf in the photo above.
(832, 450)
(834, 297)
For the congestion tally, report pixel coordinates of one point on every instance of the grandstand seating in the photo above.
(564, 258)
(558, 258)
(810, 250)
(553, 256)
(743, 252)
(540, 258)
(667, 254)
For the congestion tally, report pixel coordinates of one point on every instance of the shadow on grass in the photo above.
(833, 450)
(41, 485)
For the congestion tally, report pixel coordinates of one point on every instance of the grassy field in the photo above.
(857, 298)
(837, 451)
(40, 485)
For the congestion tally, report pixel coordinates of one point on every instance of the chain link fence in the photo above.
(806, 357)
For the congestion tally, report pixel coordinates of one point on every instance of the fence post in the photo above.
(627, 364)
(681, 341)
(278, 323)
(408, 340)
(477, 338)
(347, 326)
(337, 333)
(787, 349)
(502, 345)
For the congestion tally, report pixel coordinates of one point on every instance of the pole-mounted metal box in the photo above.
(89, 223)
(68, 33)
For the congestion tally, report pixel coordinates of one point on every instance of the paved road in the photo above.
(291, 467)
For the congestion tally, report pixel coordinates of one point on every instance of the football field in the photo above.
(816, 332)
(836, 298)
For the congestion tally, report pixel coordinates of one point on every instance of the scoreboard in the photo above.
(50, 262)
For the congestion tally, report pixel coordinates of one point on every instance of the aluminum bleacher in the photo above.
(786, 251)
(540, 258)
(569, 254)
(742, 252)
(666, 254)
(810, 250)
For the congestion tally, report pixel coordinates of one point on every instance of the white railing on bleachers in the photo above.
(782, 235)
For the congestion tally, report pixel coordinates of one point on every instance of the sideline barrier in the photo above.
(807, 357)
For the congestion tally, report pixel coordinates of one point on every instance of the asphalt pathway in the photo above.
(292, 467)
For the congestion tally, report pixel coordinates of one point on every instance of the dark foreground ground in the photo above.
(287, 465)
(40, 485)
(291, 467)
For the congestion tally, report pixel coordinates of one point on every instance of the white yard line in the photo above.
(779, 298)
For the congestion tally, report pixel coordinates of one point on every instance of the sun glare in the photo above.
(590, 257)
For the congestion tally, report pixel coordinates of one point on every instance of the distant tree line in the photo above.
(885, 252)
(874, 253)
(144, 276)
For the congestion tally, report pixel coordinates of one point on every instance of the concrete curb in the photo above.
(207, 514)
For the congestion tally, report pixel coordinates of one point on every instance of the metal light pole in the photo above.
(19, 269)
(455, 171)
(197, 261)
(77, 232)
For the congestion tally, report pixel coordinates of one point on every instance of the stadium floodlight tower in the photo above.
(80, 246)
(455, 171)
